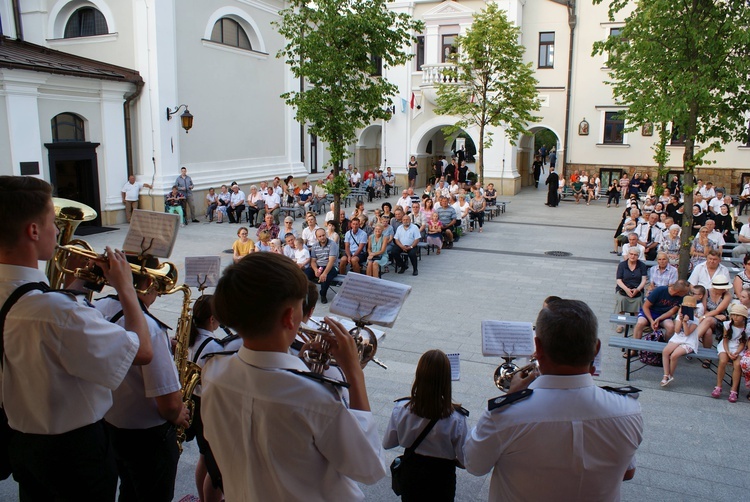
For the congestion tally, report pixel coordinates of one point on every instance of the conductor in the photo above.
(562, 438)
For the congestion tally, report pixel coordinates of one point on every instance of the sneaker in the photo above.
(716, 393)
(733, 397)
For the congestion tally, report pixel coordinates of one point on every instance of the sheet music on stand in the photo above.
(455, 366)
(507, 338)
(151, 233)
(372, 300)
(202, 271)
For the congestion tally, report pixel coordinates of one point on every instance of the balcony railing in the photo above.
(434, 74)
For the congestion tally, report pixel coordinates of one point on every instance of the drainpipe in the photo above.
(571, 4)
(17, 19)
(128, 132)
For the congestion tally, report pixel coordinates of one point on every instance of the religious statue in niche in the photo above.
(647, 129)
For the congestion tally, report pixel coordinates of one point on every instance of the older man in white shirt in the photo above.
(704, 273)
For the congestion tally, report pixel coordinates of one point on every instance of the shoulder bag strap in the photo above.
(410, 450)
(12, 299)
(201, 347)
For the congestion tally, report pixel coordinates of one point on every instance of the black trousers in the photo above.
(235, 213)
(428, 478)
(325, 285)
(74, 466)
(146, 462)
(398, 257)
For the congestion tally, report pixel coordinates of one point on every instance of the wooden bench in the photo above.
(658, 347)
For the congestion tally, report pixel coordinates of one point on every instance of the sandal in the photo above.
(620, 329)
(733, 397)
(666, 380)
(706, 363)
(716, 392)
(629, 354)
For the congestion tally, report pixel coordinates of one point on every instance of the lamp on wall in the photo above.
(186, 119)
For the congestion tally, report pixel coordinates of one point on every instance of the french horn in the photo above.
(364, 338)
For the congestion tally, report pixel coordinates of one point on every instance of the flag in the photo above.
(403, 105)
(411, 103)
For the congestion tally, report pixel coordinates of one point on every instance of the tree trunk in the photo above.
(688, 164)
(480, 156)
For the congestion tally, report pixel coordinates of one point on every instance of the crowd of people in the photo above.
(705, 311)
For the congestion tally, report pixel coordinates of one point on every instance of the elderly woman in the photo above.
(717, 300)
(671, 243)
(701, 246)
(661, 274)
(376, 247)
(254, 204)
(631, 280)
(462, 211)
(742, 280)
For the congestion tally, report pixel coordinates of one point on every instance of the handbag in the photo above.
(398, 462)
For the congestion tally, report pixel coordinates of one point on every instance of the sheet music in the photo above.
(455, 366)
(151, 233)
(376, 300)
(598, 362)
(501, 338)
(202, 270)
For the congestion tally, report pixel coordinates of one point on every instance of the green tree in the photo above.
(337, 47)
(684, 63)
(493, 86)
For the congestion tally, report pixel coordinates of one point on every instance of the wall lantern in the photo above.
(186, 119)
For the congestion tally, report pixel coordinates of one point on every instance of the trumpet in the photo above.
(506, 371)
(364, 338)
(163, 279)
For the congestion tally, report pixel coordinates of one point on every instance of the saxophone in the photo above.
(188, 372)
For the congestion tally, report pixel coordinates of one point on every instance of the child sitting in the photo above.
(730, 348)
(683, 342)
(264, 240)
(301, 254)
(434, 232)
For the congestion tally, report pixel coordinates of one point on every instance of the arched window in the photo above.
(86, 22)
(67, 127)
(229, 32)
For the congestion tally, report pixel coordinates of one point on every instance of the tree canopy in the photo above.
(684, 63)
(494, 87)
(336, 47)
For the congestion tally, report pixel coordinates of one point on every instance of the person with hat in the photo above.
(730, 348)
(659, 308)
(683, 342)
(717, 301)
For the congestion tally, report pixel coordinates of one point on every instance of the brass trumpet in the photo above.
(506, 371)
(163, 279)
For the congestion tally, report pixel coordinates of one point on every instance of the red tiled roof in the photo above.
(21, 55)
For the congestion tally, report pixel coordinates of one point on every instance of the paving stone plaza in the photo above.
(693, 444)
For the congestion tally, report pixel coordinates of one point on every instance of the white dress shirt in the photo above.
(235, 199)
(569, 440)
(282, 436)
(445, 440)
(701, 276)
(132, 191)
(134, 406)
(62, 358)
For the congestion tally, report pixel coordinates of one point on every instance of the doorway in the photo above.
(74, 174)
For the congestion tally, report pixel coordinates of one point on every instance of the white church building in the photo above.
(94, 90)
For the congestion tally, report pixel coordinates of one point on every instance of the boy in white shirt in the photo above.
(301, 254)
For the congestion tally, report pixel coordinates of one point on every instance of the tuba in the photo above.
(68, 215)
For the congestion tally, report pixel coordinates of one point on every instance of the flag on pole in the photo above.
(411, 103)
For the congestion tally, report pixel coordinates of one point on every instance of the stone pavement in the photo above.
(692, 448)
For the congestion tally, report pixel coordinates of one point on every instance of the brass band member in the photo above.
(146, 407)
(563, 438)
(62, 358)
(278, 432)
